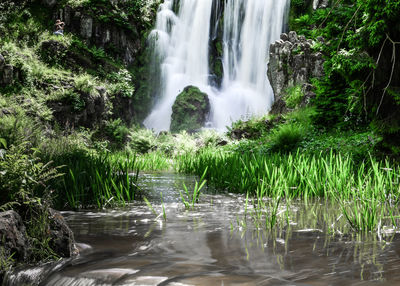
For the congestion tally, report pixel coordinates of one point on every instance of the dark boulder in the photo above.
(61, 236)
(82, 109)
(14, 240)
(190, 110)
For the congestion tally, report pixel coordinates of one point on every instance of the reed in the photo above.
(368, 193)
(193, 197)
(96, 181)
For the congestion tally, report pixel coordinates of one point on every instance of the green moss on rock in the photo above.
(190, 110)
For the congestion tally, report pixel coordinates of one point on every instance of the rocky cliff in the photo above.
(293, 61)
(111, 25)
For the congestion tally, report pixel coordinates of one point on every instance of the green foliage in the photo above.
(116, 131)
(193, 197)
(78, 3)
(6, 261)
(95, 180)
(254, 127)
(293, 96)
(287, 137)
(359, 190)
(141, 140)
(85, 83)
(23, 176)
(121, 83)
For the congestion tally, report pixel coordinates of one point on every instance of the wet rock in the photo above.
(284, 37)
(293, 37)
(120, 41)
(61, 237)
(190, 110)
(292, 63)
(13, 236)
(222, 142)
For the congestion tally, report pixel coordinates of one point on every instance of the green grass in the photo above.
(367, 193)
(96, 181)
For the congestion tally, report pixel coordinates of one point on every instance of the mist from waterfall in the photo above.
(182, 51)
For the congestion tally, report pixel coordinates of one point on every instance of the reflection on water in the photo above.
(218, 243)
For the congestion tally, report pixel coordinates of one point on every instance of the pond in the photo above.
(217, 243)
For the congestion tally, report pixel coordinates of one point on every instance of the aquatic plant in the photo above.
(193, 197)
(368, 193)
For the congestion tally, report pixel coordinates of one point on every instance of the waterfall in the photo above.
(182, 50)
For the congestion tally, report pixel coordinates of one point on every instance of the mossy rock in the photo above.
(190, 110)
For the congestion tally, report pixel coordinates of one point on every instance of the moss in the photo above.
(190, 110)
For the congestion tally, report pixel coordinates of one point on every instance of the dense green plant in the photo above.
(23, 176)
(293, 96)
(121, 83)
(93, 180)
(361, 190)
(361, 40)
(287, 137)
(116, 131)
(141, 140)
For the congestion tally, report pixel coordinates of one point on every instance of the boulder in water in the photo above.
(190, 110)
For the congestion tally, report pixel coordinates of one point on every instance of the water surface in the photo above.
(216, 243)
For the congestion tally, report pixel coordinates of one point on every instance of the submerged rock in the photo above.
(190, 110)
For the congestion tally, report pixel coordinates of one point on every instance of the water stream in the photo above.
(210, 245)
(182, 43)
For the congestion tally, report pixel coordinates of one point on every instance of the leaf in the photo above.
(3, 142)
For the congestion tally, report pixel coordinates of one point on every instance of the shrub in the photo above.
(85, 83)
(141, 140)
(117, 132)
(121, 83)
(287, 137)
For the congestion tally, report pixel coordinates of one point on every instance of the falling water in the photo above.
(182, 51)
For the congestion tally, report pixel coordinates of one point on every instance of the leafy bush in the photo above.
(141, 140)
(121, 83)
(85, 83)
(22, 175)
(116, 131)
(287, 137)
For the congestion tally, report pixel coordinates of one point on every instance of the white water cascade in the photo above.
(182, 49)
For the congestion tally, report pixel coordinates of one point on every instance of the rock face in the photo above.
(320, 4)
(190, 110)
(7, 73)
(13, 236)
(124, 43)
(292, 62)
(84, 109)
